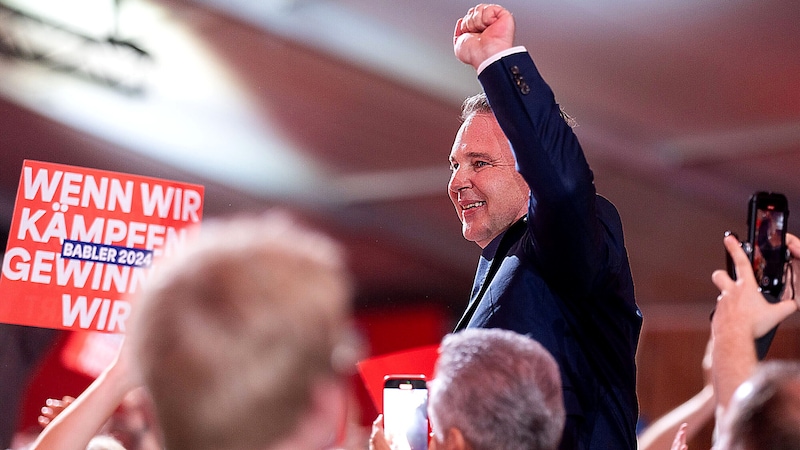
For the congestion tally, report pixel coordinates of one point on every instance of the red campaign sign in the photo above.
(415, 361)
(82, 242)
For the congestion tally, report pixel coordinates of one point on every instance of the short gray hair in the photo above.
(500, 389)
(479, 104)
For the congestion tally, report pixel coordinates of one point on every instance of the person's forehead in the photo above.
(481, 123)
(480, 135)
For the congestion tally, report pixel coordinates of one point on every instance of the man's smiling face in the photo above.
(487, 191)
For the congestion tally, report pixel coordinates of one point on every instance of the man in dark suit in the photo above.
(554, 264)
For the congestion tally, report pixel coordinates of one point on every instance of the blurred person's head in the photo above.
(764, 413)
(244, 337)
(103, 442)
(495, 389)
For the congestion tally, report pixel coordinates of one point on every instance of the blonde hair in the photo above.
(233, 330)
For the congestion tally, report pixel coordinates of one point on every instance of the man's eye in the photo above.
(453, 166)
(480, 163)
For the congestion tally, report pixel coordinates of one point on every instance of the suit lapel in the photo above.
(488, 267)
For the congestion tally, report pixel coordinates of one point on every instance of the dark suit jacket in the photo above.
(562, 273)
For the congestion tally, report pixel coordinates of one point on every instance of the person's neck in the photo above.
(490, 249)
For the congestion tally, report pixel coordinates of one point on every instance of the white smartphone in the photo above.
(405, 411)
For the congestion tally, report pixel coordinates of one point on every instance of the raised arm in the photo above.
(687, 419)
(567, 235)
(742, 315)
(74, 427)
(483, 32)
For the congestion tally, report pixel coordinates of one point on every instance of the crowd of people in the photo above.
(244, 340)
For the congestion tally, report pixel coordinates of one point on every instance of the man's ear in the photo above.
(455, 440)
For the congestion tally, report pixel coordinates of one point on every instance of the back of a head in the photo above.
(500, 389)
(233, 330)
(765, 412)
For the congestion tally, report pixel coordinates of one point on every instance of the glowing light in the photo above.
(94, 18)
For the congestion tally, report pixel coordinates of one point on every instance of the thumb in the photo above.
(775, 314)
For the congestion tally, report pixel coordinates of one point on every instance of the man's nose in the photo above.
(458, 180)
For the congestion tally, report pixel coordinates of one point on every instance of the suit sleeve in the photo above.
(567, 241)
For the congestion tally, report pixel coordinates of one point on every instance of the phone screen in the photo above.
(769, 243)
(405, 413)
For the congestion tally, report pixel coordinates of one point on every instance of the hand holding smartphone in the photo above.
(767, 215)
(405, 411)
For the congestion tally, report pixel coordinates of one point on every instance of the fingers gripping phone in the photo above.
(405, 411)
(767, 215)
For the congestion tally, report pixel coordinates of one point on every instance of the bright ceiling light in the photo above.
(92, 18)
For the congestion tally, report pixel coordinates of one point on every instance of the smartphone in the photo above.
(405, 411)
(767, 215)
(766, 224)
